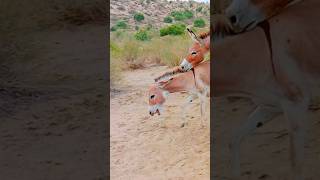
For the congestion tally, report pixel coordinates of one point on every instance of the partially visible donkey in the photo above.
(196, 83)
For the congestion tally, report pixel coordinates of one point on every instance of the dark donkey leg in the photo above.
(257, 118)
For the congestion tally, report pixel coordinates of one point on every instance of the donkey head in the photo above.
(157, 97)
(197, 52)
(246, 14)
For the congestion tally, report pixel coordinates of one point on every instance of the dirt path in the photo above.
(53, 109)
(141, 149)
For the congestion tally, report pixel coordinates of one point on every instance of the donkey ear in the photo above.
(194, 37)
(164, 83)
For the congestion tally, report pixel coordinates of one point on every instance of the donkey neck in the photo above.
(180, 83)
(278, 5)
(207, 43)
(239, 69)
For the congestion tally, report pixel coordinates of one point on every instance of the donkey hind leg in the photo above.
(297, 116)
(190, 99)
(260, 115)
(202, 97)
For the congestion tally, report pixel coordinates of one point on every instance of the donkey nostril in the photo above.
(150, 112)
(233, 19)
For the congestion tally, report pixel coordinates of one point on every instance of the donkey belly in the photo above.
(295, 35)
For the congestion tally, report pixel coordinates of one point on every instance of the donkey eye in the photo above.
(152, 96)
(194, 52)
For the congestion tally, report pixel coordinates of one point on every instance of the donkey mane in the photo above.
(204, 35)
(168, 74)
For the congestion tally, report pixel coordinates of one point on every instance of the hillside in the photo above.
(154, 11)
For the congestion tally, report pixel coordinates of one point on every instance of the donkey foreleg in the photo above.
(257, 118)
(190, 99)
(297, 116)
(202, 97)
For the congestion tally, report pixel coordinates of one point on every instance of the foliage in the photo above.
(174, 29)
(149, 27)
(121, 25)
(181, 15)
(188, 14)
(142, 35)
(138, 17)
(199, 23)
(167, 19)
(199, 9)
(113, 28)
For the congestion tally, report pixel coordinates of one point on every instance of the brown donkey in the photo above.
(242, 67)
(196, 54)
(197, 85)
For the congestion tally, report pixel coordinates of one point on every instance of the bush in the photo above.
(114, 28)
(149, 27)
(188, 14)
(136, 28)
(142, 35)
(199, 9)
(167, 19)
(138, 17)
(175, 29)
(181, 15)
(121, 25)
(199, 23)
(177, 15)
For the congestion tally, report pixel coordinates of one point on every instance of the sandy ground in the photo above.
(265, 153)
(141, 148)
(53, 108)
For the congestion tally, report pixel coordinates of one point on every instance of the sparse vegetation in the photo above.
(149, 27)
(199, 23)
(181, 15)
(142, 35)
(199, 9)
(138, 17)
(121, 24)
(174, 29)
(151, 40)
(167, 19)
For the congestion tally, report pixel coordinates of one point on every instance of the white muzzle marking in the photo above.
(153, 109)
(185, 65)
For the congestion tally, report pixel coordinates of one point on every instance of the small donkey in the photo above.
(197, 84)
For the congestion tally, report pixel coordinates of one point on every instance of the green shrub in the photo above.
(174, 29)
(136, 28)
(199, 23)
(142, 35)
(177, 15)
(199, 9)
(167, 19)
(188, 14)
(121, 25)
(138, 17)
(113, 28)
(181, 15)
